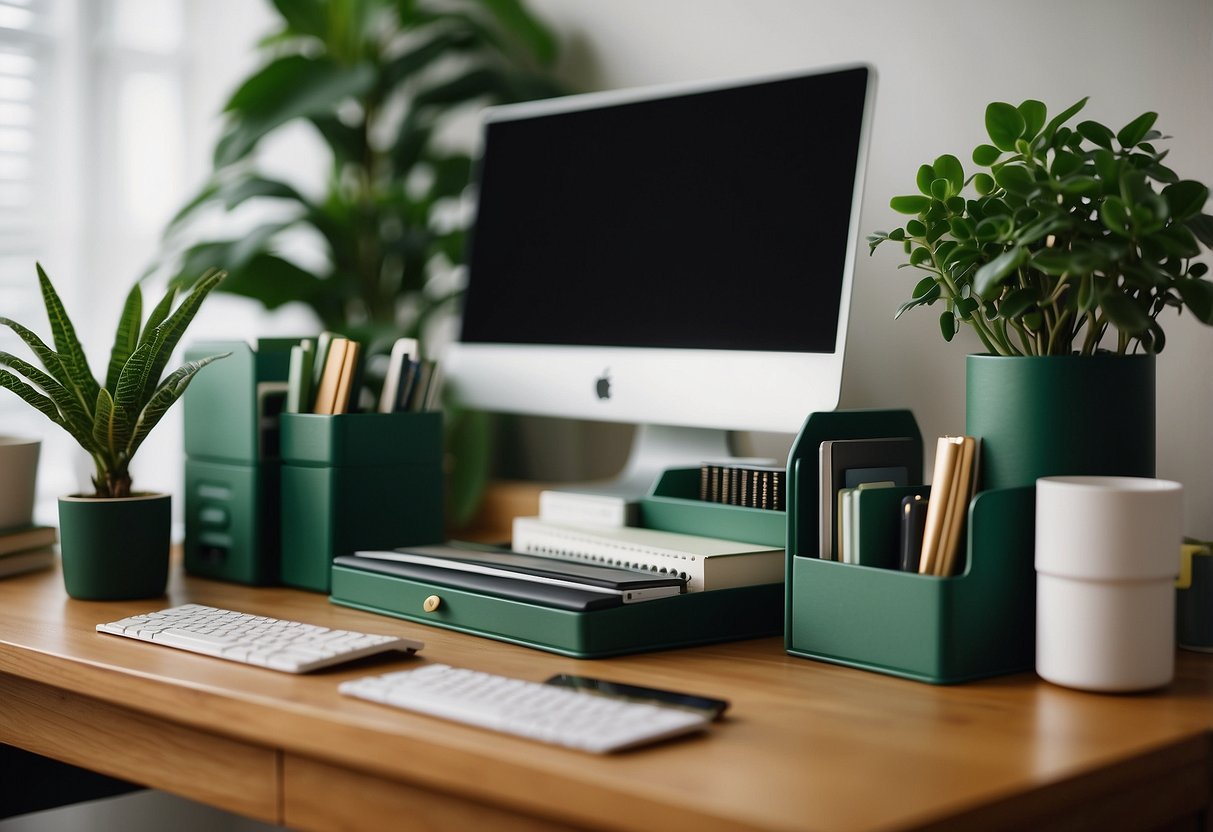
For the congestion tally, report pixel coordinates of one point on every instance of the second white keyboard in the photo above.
(290, 646)
(547, 713)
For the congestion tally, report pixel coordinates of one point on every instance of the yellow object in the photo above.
(431, 603)
(1186, 552)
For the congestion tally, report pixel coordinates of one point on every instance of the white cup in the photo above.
(18, 480)
(1107, 555)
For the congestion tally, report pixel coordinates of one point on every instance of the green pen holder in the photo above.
(940, 630)
(355, 482)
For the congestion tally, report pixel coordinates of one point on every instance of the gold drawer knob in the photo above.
(431, 603)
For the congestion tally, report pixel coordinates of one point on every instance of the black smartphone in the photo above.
(711, 708)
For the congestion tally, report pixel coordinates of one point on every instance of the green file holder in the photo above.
(357, 481)
(664, 623)
(673, 505)
(938, 630)
(232, 461)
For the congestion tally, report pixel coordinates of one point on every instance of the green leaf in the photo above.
(1086, 294)
(1017, 302)
(926, 175)
(66, 342)
(960, 228)
(1202, 227)
(291, 87)
(109, 429)
(126, 337)
(986, 154)
(911, 204)
(1015, 179)
(947, 325)
(1061, 118)
(1186, 198)
(1136, 130)
(1115, 216)
(305, 17)
(1095, 132)
(1198, 296)
(1004, 124)
(941, 189)
(159, 313)
(1177, 241)
(919, 256)
(1033, 113)
(915, 228)
(273, 281)
(166, 393)
(996, 228)
(987, 283)
(1125, 314)
(74, 416)
(948, 167)
(983, 183)
(1081, 186)
(514, 18)
(31, 397)
(926, 290)
(1064, 163)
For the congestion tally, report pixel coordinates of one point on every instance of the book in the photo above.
(748, 482)
(299, 378)
(964, 487)
(706, 563)
(404, 350)
(346, 396)
(577, 508)
(845, 463)
(558, 597)
(326, 388)
(27, 537)
(947, 452)
(28, 560)
(632, 586)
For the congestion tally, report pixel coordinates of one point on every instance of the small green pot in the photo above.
(1043, 416)
(115, 548)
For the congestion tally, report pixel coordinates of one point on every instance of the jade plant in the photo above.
(1064, 234)
(109, 421)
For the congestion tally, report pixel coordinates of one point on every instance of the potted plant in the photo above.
(380, 83)
(115, 542)
(1071, 244)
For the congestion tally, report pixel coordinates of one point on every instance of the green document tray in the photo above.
(680, 621)
(673, 505)
(939, 630)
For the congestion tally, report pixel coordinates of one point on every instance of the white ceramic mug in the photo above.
(1107, 554)
(18, 480)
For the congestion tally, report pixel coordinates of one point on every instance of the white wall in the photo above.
(940, 62)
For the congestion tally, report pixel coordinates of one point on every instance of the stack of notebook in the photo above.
(26, 549)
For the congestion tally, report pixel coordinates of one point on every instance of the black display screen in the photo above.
(710, 220)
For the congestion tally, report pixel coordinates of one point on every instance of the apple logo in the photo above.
(603, 385)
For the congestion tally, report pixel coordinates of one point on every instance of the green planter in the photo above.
(1040, 416)
(115, 549)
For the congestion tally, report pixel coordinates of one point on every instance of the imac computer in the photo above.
(679, 258)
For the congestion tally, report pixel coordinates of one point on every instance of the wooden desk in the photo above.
(805, 745)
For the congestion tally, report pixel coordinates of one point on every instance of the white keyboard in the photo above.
(556, 715)
(290, 646)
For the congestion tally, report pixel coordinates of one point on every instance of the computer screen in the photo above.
(671, 256)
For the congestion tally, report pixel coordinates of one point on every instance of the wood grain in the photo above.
(805, 745)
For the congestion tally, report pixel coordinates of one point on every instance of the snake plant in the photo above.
(109, 421)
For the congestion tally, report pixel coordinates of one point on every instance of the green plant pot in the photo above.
(1041, 416)
(115, 549)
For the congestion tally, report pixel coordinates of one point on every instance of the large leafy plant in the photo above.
(379, 81)
(1072, 233)
(110, 422)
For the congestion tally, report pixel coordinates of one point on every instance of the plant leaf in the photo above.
(1186, 198)
(1125, 314)
(1062, 117)
(74, 417)
(948, 167)
(1095, 132)
(166, 335)
(926, 175)
(290, 87)
(1202, 227)
(66, 342)
(1136, 130)
(910, 204)
(305, 17)
(987, 283)
(166, 393)
(1033, 113)
(32, 397)
(126, 337)
(986, 155)
(515, 19)
(1198, 296)
(109, 430)
(1004, 124)
(947, 325)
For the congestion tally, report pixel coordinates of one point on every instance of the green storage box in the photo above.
(673, 505)
(680, 621)
(231, 468)
(939, 630)
(357, 481)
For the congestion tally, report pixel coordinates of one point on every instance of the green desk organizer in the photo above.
(673, 505)
(357, 481)
(938, 630)
(231, 466)
(661, 624)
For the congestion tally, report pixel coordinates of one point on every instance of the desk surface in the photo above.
(805, 745)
